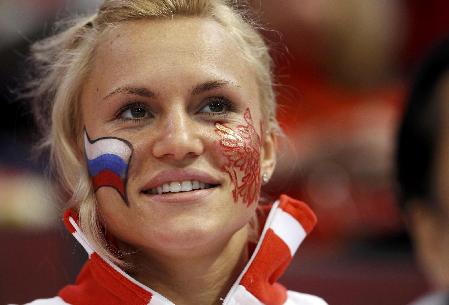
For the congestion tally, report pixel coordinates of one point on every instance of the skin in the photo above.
(190, 252)
(429, 226)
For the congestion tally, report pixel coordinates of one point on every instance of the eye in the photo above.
(135, 111)
(216, 106)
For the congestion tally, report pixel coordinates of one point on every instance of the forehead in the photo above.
(169, 32)
(155, 50)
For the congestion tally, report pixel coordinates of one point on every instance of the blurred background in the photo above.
(342, 71)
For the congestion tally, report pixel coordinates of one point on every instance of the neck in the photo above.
(203, 278)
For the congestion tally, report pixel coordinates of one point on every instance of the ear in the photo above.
(268, 153)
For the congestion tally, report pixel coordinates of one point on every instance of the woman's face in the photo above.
(183, 168)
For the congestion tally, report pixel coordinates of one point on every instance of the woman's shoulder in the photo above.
(297, 298)
(51, 301)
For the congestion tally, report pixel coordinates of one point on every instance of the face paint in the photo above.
(241, 148)
(107, 162)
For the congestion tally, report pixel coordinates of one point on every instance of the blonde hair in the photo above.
(63, 63)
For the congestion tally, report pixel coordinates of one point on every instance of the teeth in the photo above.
(176, 187)
(195, 185)
(186, 186)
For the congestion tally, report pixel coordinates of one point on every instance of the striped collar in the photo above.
(286, 224)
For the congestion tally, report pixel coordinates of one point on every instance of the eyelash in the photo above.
(129, 106)
(227, 104)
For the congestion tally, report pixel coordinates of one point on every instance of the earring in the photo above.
(265, 178)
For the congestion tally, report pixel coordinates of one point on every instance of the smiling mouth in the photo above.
(179, 187)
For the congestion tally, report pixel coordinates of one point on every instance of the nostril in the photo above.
(178, 149)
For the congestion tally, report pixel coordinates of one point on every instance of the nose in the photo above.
(179, 138)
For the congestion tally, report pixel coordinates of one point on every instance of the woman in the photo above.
(161, 124)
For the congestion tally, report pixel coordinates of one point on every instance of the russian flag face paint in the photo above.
(107, 162)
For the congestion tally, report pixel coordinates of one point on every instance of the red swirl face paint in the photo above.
(241, 149)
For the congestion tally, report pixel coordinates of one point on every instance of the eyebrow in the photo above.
(140, 91)
(144, 92)
(210, 85)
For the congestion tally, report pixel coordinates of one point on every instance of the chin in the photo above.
(191, 236)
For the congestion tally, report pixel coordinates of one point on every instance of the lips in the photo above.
(179, 181)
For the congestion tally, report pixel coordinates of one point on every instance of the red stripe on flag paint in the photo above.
(109, 178)
(300, 211)
(269, 264)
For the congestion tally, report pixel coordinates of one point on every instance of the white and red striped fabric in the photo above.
(100, 282)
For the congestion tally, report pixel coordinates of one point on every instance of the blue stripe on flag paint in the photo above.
(107, 161)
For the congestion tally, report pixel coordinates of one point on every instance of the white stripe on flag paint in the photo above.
(242, 296)
(106, 146)
(289, 230)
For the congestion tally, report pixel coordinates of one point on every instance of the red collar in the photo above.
(286, 224)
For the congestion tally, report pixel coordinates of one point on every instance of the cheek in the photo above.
(240, 147)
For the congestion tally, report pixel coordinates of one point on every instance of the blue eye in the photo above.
(135, 112)
(217, 105)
